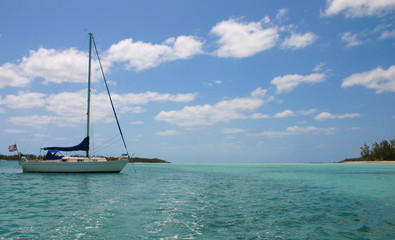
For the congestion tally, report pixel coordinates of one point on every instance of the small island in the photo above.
(140, 160)
(379, 152)
(147, 160)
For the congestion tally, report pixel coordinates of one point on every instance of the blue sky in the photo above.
(201, 81)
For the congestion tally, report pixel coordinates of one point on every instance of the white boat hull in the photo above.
(73, 167)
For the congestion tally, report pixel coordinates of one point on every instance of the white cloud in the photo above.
(381, 27)
(288, 82)
(306, 112)
(137, 122)
(296, 130)
(211, 83)
(388, 34)
(168, 133)
(283, 114)
(296, 41)
(37, 121)
(351, 40)
(325, 116)
(281, 14)
(238, 39)
(73, 103)
(320, 67)
(69, 108)
(290, 113)
(217, 81)
(24, 100)
(11, 75)
(259, 92)
(259, 116)
(14, 131)
(286, 113)
(379, 79)
(359, 8)
(353, 129)
(223, 111)
(144, 98)
(69, 65)
(185, 47)
(232, 130)
(141, 56)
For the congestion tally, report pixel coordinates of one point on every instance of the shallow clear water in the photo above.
(201, 201)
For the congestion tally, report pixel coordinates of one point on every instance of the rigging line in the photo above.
(107, 141)
(112, 105)
(109, 95)
(107, 146)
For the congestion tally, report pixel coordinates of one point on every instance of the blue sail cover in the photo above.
(83, 146)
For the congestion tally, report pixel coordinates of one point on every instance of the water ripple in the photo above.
(199, 202)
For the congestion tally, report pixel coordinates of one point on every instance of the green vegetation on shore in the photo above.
(383, 151)
(148, 160)
(15, 157)
(140, 160)
(134, 159)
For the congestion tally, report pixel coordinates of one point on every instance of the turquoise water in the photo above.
(201, 201)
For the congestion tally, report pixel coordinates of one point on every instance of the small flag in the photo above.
(12, 148)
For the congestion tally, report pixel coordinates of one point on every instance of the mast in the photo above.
(89, 91)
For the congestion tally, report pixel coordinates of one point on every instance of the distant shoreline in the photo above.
(367, 162)
(147, 160)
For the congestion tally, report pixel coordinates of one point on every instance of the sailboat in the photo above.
(55, 162)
